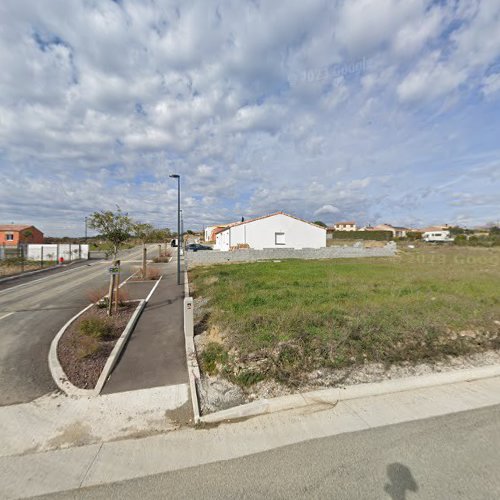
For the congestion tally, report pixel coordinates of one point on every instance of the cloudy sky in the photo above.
(372, 110)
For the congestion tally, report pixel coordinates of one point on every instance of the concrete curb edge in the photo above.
(118, 348)
(191, 357)
(56, 370)
(331, 396)
(39, 271)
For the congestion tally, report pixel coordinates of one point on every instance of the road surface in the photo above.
(32, 310)
(455, 456)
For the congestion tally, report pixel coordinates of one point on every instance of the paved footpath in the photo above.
(464, 460)
(155, 353)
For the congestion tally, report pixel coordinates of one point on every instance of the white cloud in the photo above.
(327, 209)
(260, 106)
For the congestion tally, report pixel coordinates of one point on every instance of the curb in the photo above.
(191, 357)
(332, 396)
(56, 370)
(118, 348)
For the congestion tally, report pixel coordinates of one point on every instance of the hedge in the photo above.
(362, 235)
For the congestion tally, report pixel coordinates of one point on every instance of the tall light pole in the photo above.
(178, 177)
(86, 229)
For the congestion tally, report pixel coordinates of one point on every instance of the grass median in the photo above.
(280, 320)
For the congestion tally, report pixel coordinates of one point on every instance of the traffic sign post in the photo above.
(113, 270)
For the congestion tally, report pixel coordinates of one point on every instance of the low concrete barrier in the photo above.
(191, 358)
(203, 258)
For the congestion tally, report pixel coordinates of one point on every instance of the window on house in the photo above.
(9, 236)
(279, 238)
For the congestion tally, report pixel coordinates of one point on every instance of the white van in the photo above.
(437, 236)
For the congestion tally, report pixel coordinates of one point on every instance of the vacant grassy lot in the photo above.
(281, 319)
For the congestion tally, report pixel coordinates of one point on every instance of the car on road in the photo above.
(197, 246)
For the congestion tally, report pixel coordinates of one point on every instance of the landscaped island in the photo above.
(295, 324)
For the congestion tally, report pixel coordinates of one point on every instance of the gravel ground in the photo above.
(218, 393)
(84, 371)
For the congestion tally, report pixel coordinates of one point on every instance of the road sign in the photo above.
(114, 270)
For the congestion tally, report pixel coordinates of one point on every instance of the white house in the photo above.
(277, 230)
(345, 226)
(397, 231)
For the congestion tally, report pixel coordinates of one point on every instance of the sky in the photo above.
(367, 110)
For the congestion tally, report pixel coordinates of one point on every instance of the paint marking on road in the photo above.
(6, 315)
(153, 290)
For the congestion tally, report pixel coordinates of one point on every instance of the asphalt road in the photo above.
(451, 457)
(31, 313)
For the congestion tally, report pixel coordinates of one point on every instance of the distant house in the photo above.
(431, 229)
(278, 230)
(211, 231)
(345, 226)
(14, 234)
(397, 231)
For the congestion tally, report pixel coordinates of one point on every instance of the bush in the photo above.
(165, 257)
(87, 346)
(214, 354)
(460, 239)
(362, 235)
(96, 327)
(97, 294)
(153, 274)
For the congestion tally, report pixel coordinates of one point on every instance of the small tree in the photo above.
(115, 227)
(144, 233)
(319, 223)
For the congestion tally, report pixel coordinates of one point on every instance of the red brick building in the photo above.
(13, 234)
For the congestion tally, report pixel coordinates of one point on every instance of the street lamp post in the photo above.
(86, 229)
(178, 177)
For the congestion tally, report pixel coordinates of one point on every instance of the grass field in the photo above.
(281, 319)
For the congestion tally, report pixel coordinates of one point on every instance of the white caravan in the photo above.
(437, 237)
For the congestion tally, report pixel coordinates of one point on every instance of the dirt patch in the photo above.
(217, 393)
(83, 357)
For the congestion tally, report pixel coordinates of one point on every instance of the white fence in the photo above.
(54, 252)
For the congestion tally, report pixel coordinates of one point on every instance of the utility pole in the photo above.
(178, 177)
(86, 229)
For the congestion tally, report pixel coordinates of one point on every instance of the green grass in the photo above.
(299, 315)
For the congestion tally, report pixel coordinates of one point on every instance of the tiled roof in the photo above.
(13, 227)
(271, 215)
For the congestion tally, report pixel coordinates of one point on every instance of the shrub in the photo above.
(214, 354)
(362, 235)
(96, 327)
(87, 346)
(153, 274)
(97, 294)
(162, 258)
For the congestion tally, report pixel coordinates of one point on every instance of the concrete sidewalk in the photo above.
(51, 471)
(155, 354)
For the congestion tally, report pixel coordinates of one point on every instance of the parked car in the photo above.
(196, 246)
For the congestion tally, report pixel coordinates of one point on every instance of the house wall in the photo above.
(261, 234)
(36, 237)
(208, 232)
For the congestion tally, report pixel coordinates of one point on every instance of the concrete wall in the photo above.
(261, 233)
(208, 257)
(68, 252)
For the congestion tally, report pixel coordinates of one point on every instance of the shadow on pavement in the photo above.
(401, 481)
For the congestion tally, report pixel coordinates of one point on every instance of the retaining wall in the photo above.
(206, 257)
